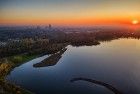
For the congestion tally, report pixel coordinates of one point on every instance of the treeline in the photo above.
(93, 38)
(30, 46)
(54, 41)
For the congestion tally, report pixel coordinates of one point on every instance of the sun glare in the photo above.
(135, 22)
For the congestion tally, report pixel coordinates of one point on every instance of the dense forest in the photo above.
(38, 41)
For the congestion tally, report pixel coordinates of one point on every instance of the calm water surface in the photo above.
(116, 63)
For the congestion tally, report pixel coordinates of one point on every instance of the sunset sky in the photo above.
(67, 12)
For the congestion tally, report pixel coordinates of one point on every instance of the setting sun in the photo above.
(69, 46)
(134, 22)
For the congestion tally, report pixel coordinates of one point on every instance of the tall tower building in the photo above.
(50, 26)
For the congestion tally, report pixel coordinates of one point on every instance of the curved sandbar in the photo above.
(110, 87)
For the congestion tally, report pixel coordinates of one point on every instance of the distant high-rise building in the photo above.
(38, 27)
(50, 26)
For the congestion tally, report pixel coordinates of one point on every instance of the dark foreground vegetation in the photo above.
(6, 66)
(20, 46)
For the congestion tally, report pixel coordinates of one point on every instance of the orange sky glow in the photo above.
(72, 12)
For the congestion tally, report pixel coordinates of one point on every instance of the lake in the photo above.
(116, 63)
